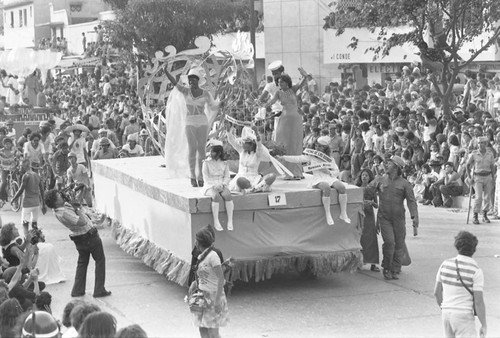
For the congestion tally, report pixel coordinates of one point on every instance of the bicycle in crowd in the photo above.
(13, 179)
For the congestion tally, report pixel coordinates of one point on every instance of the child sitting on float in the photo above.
(252, 152)
(325, 173)
(216, 178)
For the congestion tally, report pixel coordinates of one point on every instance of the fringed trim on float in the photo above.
(160, 259)
(318, 265)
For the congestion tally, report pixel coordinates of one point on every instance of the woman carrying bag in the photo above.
(207, 300)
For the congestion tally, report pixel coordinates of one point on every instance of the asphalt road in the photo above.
(362, 304)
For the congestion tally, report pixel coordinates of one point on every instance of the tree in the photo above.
(151, 25)
(448, 24)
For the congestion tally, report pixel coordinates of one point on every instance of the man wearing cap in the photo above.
(271, 89)
(96, 145)
(481, 168)
(393, 189)
(105, 151)
(132, 149)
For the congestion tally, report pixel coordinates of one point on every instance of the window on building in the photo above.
(31, 11)
(12, 19)
(20, 18)
(25, 12)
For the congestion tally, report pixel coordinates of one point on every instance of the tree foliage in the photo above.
(151, 25)
(445, 25)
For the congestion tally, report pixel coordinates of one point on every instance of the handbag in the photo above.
(466, 287)
(196, 298)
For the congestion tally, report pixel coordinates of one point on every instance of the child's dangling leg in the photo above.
(339, 186)
(325, 199)
(216, 199)
(226, 195)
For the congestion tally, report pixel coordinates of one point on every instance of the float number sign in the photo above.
(276, 200)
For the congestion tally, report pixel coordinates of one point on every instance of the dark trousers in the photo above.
(3, 185)
(89, 245)
(393, 233)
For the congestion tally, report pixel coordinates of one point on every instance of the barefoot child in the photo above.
(325, 172)
(216, 176)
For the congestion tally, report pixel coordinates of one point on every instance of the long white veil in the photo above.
(176, 147)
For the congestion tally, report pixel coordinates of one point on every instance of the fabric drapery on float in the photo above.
(23, 61)
(251, 268)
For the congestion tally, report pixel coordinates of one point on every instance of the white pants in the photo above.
(458, 324)
(32, 212)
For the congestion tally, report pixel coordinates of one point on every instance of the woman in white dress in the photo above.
(216, 176)
(252, 152)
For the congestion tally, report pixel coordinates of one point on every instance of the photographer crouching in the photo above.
(86, 239)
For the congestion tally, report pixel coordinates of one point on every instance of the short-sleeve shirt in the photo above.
(35, 155)
(455, 296)
(79, 147)
(482, 163)
(80, 174)
(77, 224)
(136, 151)
(31, 190)
(207, 278)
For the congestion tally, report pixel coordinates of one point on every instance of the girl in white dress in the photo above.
(216, 176)
(252, 152)
(325, 173)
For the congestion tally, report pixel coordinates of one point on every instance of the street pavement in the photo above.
(361, 304)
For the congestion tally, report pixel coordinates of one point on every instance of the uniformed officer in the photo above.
(393, 189)
(482, 165)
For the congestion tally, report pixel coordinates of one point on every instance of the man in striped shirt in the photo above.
(456, 301)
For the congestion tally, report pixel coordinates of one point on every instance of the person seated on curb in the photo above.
(103, 133)
(449, 186)
(131, 149)
(325, 173)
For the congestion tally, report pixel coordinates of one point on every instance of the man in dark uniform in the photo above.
(393, 190)
(87, 242)
(482, 162)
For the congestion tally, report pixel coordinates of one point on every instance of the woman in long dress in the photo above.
(369, 241)
(289, 131)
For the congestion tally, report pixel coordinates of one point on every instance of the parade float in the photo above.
(156, 214)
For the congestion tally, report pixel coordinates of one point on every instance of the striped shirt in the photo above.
(78, 224)
(455, 296)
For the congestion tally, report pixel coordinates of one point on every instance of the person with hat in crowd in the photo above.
(131, 149)
(105, 150)
(78, 146)
(251, 152)
(210, 281)
(87, 241)
(78, 174)
(216, 176)
(289, 131)
(102, 133)
(481, 169)
(200, 109)
(271, 88)
(325, 176)
(392, 190)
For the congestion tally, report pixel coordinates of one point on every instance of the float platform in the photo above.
(156, 219)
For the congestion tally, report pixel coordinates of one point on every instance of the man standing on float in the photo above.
(271, 89)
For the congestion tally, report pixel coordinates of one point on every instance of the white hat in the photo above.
(102, 130)
(324, 140)
(132, 137)
(398, 161)
(406, 68)
(214, 142)
(275, 65)
(248, 135)
(195, 72)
